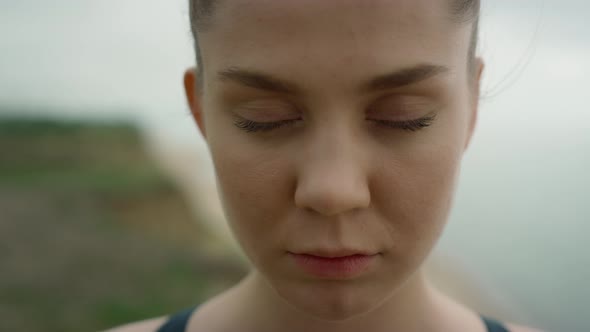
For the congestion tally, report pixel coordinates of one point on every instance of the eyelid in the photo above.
(402, 107)
(266, 110)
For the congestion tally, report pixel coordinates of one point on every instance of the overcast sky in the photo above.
(126, 57)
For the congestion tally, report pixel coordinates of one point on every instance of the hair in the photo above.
(462, 11)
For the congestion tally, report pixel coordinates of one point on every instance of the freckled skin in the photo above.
(335, 179)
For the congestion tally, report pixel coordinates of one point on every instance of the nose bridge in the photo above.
(332, 175)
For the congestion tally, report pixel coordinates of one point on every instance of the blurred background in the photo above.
(108, 208)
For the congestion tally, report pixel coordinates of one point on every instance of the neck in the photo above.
(416, 306)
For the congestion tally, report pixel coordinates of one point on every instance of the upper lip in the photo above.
(335, 253)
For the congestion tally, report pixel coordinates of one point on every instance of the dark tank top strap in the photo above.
(493, 325)
(178, 321)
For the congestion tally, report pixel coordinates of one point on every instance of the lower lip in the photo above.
(335, 268)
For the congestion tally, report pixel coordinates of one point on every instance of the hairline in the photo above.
(201, 14)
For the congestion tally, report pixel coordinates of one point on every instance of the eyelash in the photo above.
(252, 126)
(410, 125)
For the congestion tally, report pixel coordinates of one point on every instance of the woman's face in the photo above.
(332, 166)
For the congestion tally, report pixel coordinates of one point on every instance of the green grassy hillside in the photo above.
(92, 234)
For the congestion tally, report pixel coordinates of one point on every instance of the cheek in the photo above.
(413, 192)
(249, 183)
(422, 189)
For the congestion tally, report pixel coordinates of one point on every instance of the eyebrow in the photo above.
(404, 77)
(393, 80)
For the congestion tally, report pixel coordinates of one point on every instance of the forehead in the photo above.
(361, 36)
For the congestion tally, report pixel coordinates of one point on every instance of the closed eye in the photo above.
(253, 126)
(408, 125)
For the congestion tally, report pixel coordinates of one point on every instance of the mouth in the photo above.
(338, 253)
(336, 264)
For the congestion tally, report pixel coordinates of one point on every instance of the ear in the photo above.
(474, 98)
(194, 98)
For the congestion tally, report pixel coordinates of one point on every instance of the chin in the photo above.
(333, 301)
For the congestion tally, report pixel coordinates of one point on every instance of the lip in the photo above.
(335, 253)
(336, 265)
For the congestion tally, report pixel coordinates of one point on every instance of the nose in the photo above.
(332, 176)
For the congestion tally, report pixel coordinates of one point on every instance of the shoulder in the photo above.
(148, 325)
(519, 328)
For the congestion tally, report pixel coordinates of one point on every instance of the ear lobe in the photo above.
(474, 100)
(194, 99)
